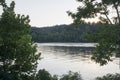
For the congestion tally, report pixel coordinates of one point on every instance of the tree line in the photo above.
(62, 33)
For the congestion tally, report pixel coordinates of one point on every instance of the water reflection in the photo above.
(60, 59)
(71, 53)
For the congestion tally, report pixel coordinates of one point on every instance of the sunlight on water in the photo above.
(62, 58)
(69, 44)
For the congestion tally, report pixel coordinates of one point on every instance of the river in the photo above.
(59, 58)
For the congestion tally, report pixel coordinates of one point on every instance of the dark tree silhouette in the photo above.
(95, 8)
(108, 37)
(18, 57)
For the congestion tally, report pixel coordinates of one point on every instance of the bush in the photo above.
(109, 77)
(43, 75)
(71, 76)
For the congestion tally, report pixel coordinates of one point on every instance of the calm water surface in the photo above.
(59, 58)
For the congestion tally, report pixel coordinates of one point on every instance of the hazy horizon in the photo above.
(45, 12)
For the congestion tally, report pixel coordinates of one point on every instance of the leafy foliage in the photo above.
(2, 2)
(95, 8)
(71, 76)
(18, 57)
(45, 75)
(108, 38)
(109, 77)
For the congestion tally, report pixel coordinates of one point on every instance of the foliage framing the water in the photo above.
(108, 38)
(109, 43)
(18, 58)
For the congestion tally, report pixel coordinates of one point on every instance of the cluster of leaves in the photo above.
(45, 75)
(95, 8)
(71, 76)
(109, 77)
(18, 57)
(108, 39)
(89, 10)
(2, 2)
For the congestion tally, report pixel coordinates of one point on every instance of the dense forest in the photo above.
(62, 33)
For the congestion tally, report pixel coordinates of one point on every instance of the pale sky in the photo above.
(46, 12)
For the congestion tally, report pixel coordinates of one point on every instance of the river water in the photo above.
(59, 58)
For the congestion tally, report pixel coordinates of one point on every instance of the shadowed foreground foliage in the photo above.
(108, 38)
(109, 44)
(71, 76)
(109, 77)
(18, 57)
(45, 75)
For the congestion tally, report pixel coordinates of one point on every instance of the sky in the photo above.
(46, 12)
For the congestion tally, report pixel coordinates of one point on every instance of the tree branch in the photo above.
(107, 15)
(118, 15)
